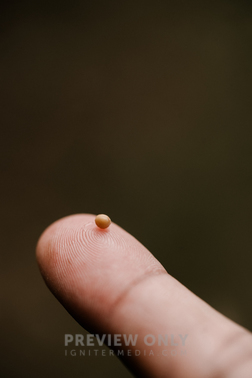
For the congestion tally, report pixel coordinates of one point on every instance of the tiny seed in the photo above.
(102, 221)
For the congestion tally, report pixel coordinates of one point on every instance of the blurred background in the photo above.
(151, 99)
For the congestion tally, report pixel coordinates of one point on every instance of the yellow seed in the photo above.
(102, 221)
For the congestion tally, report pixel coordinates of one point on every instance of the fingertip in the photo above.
(88, 268)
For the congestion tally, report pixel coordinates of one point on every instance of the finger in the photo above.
(112, 284)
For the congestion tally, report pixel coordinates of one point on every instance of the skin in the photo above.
(111, 284)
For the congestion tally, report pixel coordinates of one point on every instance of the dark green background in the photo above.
(138, 109)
